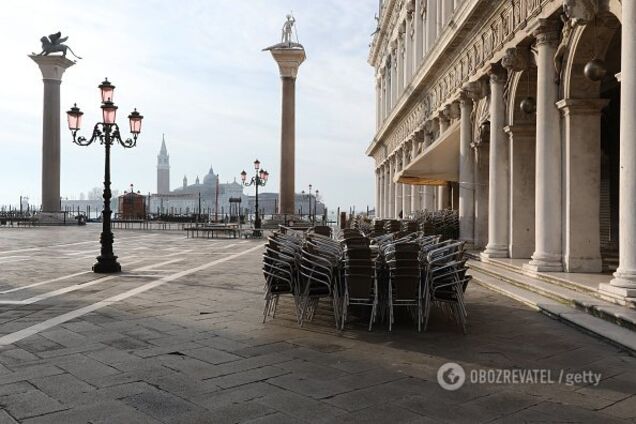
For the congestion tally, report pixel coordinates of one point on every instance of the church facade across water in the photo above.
(214, 195)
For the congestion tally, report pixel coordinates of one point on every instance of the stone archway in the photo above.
(521, 130)
(584, 109)
(480, 144)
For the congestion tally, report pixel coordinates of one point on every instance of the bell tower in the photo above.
(163, 168)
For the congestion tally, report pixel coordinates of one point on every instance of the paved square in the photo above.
(177, 338)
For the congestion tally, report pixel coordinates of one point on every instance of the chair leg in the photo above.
(419, 314)
(275, 306)
(303, 310)
(390, 308)
(345, 308)
(266, 309)
(268, 300)
(374, 310)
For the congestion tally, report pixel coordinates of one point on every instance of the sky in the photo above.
(196, 72)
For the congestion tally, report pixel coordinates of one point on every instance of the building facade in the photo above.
(515, 113)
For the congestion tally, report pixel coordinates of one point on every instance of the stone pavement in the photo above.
(177, 338)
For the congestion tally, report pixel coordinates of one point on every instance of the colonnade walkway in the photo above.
(177, 337)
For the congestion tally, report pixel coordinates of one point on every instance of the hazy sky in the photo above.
(196, 71)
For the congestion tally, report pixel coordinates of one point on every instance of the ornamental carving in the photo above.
(515, 59)
(580, 12)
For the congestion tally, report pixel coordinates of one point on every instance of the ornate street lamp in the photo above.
(107, 133)
(258, 180)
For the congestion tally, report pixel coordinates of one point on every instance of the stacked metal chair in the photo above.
(409, 226)
(392, 226)
(445, 280)
(404, 279)
(323, 230)
(281, 270)
(359, 272)
(378, 227)
(320, 276)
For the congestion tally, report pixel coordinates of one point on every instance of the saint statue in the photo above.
(288, 28)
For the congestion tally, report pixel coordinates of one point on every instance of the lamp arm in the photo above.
(82, 141)
(127, 143)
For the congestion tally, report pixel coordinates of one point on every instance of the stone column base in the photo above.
(54, 218)
(617, 291)
(544, 262)
(495, 251)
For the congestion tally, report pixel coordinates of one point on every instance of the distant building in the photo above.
(185, 199)
(132, 206)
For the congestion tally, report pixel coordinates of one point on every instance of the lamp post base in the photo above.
(106, 265)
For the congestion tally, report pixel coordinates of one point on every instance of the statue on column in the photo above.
(288, 28)
(54, 43)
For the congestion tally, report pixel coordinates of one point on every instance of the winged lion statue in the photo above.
(54, 43)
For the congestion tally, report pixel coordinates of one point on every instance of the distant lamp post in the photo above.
(107, 133)
(258, 180)
(309, 206)
(302, 202)
(315, 205)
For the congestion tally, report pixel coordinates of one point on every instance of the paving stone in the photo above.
(65, 337)
(18, 387)
(212, 356)
(64, 387)
(237, 413)
(84, 367)
(264, 349)
(111, 356)
(625, 408)
(38, 343)
(385, 414)
(30, 403)
(302, 407)
(275, 418)
(161, 350)
(250, 376)
(52, 353)
(17, 356)
(5, 418)
(194, 368)
(102, 413)
(236, 395)
(29, 372)
(166, 407)
(555, 412)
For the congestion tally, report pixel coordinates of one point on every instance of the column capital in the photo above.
(546, 31)
(52, 67)
(465, 98)
(515, 59)
(581, 106)
(497, 73)
(476, 90)
(288, 59)
(445, 114)
(453, 110)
